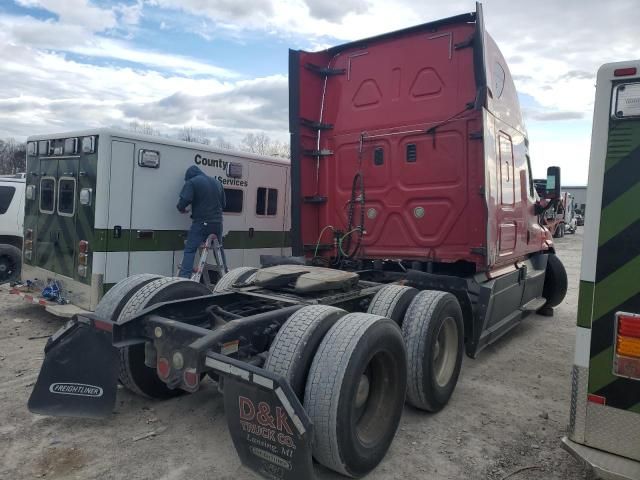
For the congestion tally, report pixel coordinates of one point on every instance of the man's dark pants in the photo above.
(198, 233)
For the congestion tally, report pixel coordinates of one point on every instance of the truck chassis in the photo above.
(264, 347)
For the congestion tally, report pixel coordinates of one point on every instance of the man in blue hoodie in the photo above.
(206, 196)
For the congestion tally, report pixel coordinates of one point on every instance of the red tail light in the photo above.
(163, 368)
(191, 378)
(28, 234)
(83, 246)
(105, 326)
(626, 358)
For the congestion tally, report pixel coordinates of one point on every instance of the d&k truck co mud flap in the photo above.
(79, 375)
(270, 429)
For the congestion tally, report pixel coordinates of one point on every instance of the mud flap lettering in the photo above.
(79, 374)
(269, 427)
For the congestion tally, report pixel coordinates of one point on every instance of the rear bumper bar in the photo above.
(604, 465)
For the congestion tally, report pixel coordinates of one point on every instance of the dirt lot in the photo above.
(505, 419)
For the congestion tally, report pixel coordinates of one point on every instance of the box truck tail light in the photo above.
(83, 257)
(624, 72)
(28, 244)
(626, 362)
(163, 367)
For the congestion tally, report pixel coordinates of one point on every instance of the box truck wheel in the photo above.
(237, 275)
(296, 343)
(392, 301)
(10, 263)
(433, 332)
(555, 282)
(355, 392)
(134, 374)
(117, 297)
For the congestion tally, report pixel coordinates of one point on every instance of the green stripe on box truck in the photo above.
(600, 370)
(620, 214)
(173, 240)
(623, 137)
(585, 303)
(617, 287)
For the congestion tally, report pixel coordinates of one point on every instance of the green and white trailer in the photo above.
(101, 206)
(604, 426)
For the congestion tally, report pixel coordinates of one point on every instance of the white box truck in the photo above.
(101, 206)
(604, 422)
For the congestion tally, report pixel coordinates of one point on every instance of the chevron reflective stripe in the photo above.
(616, 286)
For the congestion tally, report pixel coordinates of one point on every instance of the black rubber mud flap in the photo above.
(270, 429)
(79, 375)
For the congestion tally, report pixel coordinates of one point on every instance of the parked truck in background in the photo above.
(604, 421)
(558, 216)
(414, 207)
(101, 206)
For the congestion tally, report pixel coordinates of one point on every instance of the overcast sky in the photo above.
(221, 65)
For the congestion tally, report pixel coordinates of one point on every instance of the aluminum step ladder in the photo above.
(203, 270)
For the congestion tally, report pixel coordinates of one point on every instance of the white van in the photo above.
(11, 217)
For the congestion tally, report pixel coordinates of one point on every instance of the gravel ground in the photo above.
(505, 419)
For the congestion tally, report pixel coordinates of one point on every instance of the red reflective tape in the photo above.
(105, 326)
(600, 400)
(43, 302)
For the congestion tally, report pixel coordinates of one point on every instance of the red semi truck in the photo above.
(417, 235)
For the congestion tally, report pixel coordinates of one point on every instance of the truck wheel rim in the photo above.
(373, 396)
(445, 352)
(6, 268)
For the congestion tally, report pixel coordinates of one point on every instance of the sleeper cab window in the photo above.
(66, 196)
(234, 200)
(267, 201)
(47, 194)
(6, 195)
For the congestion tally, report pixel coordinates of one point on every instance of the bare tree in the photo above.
(262, 144)
(190, 134)
(256, 143)
(12, 156)
(280, 149)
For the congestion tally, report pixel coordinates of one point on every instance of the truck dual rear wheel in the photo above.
(355, 392)
(296, 343)
(237, 275)
(392, 301)
(433, 332)
(134, 374)
(117, 297)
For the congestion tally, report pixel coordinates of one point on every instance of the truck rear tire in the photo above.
(237, 275)
(112, 303)
(555, 282)
(10, 263)
(296, 343)
(433, 331)
(355, 392)
(392, 301)
(134, 374)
